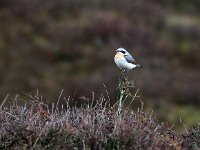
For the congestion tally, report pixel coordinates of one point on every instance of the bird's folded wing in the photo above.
(130, 59)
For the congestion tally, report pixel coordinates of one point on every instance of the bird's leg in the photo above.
(125, 75)
(124, 72)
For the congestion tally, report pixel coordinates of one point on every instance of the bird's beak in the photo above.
(116, 50)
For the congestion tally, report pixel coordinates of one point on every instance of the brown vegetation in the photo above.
(37, 125)
(70, 44)
(96, 124)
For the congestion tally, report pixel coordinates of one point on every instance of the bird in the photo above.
(125, 61)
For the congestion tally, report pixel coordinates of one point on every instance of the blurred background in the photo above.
(69, 44)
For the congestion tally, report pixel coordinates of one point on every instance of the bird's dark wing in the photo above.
(130, 59)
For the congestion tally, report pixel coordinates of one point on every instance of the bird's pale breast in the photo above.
(122, 63)
(119, 56)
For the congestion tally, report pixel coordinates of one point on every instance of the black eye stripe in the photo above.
(123, 52)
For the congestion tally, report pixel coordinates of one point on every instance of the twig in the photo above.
(4, 101)
(39, 135)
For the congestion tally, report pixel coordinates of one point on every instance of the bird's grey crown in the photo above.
(121, 50)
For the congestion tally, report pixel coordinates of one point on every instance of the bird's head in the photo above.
(121, 50)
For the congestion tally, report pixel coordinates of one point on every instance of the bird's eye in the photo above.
(123, 52)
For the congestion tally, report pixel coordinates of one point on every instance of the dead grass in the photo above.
(96, 124)
(37, 125)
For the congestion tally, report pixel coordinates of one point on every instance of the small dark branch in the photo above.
(124, 90)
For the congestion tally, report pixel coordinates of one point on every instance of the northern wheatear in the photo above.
(124, 60)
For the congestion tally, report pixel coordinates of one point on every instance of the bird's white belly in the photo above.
(124, 65)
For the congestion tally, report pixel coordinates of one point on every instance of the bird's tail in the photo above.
(140, 66)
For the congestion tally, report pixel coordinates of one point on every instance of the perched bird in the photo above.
(124, 60)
